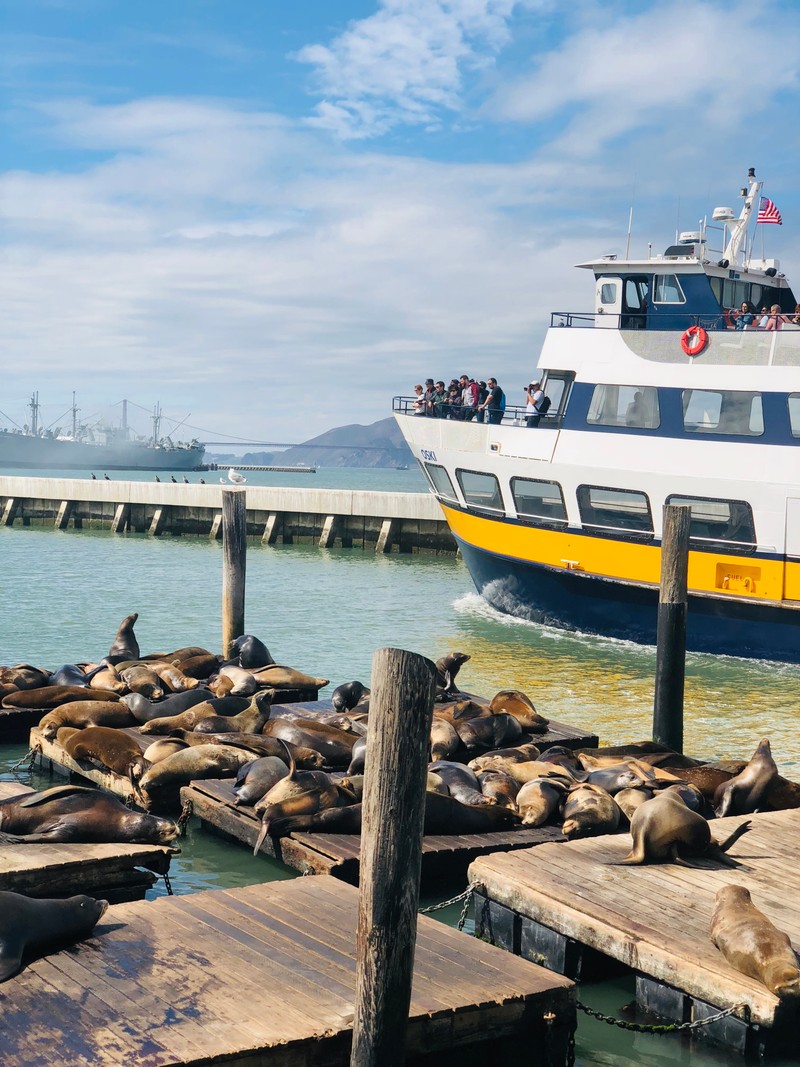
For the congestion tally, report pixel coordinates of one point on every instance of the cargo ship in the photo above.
(101, 447)
(669, 391)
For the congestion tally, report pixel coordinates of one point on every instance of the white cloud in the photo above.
(404, 64)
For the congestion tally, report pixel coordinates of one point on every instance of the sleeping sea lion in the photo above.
(107, 678)
(334, 744)
(177, 681)
(143, 710)
(276, 676)
(140, 679)
(195, 762)
(234, 680)
(490, 731)
(461, 782)
(83, 713)
(525, 753)
(501, 787)
(165, 746)
(589, 811)
(752, 944)
(539, 801)
(110, 748)
(28, 925)
(444, 739)
(53, 696)
(74, 813)
(249, 721)
(299, 793)
(515, 702)
(255, 779)
(200, 666)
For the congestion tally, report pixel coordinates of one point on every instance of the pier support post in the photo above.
(401, 710)
(216, 528)
(64, 512)
(159, 522)
(122, 519)
(10, 511)
(386, 536)
(234, 558)
(329, 530)
(271, 528)
(671, 639)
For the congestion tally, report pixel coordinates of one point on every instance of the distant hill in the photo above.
(378, 445)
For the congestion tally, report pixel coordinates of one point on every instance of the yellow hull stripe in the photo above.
(709, 572)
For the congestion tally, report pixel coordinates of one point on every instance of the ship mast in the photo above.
(125, 420)
(738, 229)
(156, 424)
(74, 419)
(34, 406)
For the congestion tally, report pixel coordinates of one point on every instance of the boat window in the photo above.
(719, 523)
(539, 501)
(625, 405)
(723, 411)
(608, 293)
(440, 480)
(615, 512)
(794, 413)
(481, 491)
(556, 385)
(668, 290)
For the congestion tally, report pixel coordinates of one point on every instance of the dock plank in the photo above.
(656, 918)
(225, 975)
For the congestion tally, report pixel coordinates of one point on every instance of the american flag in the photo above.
(767, 212)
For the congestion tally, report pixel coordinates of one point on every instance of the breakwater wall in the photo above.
(383, 522)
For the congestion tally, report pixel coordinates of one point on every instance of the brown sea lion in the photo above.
(249, 721)
(444, 739)
(200, 666)
(81, 713)
(525, 753)
(491, 731)
(276, 676)
(125, 645)
(180, 655)
(31, 926)
(53, 696)
(108, 679)
(24, 676)
(334, 744)
(747, 792)
(539, 801)
(174, 677)
(447, 667)
(299, 793)
(501, 787)
(631, 799)
(620, 776)
(165, 746)
(515, 702)
(195, 762)
(462, 711)
(752, 944)
(461, 782)
(589, 811)
(259, 745)
(652, 752)
(111, 748)
(186, 720)
(142, 680)
(255, 779)
(525, 771)
(234, 680)
(74, 813)
(664, 829)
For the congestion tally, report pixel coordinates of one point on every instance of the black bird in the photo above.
(106, 477)
(157, 478)
(174, 478)
(94, 477)
(186, 480)
(202, 481)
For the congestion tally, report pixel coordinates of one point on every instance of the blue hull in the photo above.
(570, 600)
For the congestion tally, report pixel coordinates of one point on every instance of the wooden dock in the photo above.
(444, 857)
(554, 903)
(114, 872)
(266, 975)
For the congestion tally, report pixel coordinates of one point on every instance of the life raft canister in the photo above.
(694, 340)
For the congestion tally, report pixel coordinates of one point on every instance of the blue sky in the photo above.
(272, 218)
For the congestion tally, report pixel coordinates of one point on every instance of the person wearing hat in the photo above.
(439, 402)
(429, 391)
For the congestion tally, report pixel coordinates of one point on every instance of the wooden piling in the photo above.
(234, 558)
(403, 689)
(671, 639)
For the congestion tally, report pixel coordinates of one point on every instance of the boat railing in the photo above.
(638, 320)
(512, 415)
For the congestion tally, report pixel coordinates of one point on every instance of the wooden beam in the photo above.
(159, 523)
(122, 519)
(216, 527)
(329, 531)
(386, 536)
(234, 562)
(63, 515)
(10, 511)
(272, 528)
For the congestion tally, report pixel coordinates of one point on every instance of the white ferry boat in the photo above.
(656, 397)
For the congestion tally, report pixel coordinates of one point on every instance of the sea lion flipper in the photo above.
(51, 794)
(742, 828)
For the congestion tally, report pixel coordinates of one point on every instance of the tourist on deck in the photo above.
(418, 407)
(483, 392)
(795, 319)
(534, 396)
(745, 316)
(774, 319)
(430, 389)
(454, 400)
(439, 401)
(469, 397)
(495, 403)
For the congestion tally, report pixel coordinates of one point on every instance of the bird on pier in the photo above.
(235, 477)
(202, 481)
(106, 477)
(157, 478)
(175, 480)
(185, 480)
(94, 477)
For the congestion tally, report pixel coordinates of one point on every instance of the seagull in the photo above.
(94, 477)
(175, 480)
(106, 477)
(202, 481)
(235, 477)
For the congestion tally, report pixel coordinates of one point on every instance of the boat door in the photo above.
(791, 569)
(608, 302)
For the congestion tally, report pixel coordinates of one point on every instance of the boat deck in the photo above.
(115, 872)
(655, 919)
(266, 975)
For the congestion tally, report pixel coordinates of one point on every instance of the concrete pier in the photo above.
(384, 522)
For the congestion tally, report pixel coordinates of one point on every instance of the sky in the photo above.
(270, 219)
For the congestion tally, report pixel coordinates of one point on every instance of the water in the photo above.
(65, 592)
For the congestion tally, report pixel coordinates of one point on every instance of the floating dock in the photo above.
(266, 975)
(114, 872)
(560, 904)
(445, 857)
(381, 522)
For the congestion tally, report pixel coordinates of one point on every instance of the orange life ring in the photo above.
(694, 340)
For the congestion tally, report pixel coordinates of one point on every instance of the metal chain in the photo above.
(185, 815)
(168, 884)
(466, 896)
(667, 1028)
(29, 755)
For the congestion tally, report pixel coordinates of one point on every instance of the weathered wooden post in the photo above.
(401, 711)
(234, 560)
(671, 639)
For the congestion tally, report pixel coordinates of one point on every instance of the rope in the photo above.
(466, 896)
(185, 815)
(667, 1028)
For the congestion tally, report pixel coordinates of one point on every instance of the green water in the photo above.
(63, 594)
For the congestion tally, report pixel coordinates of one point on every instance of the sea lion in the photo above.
(299, 793)
(539, 801)
(358, 756)
(249, 721)
(71, 674)
(445, 741)
(180, 655)
(110, 748)
(489, 731)
(259, 745)
(589, 811)
(515, 702)
(74, 813)
(24, 676)
(752, 944)
(461, 782)
(234, 680)
(664, 829)
(174, 677)
(196, 762)
(631, 799)
(82, 713)
(347, 695)
(186, 720)
(463, 711)
(501, 787)
(30, 926)
(277, 676)
(107, 678)
(335, 745)
(125, 645)
(255, 779)
(53, 696)
(447, 667)
(523, 772)
(200, 666)
(165, 746)
(142, 680)
(560, 756)
(251, 653)
(525, 753)
(747, 792)
(143, 710)
(618, 777)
